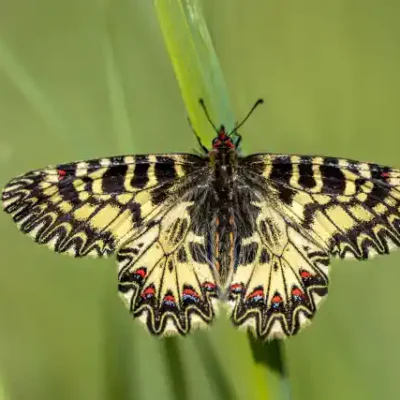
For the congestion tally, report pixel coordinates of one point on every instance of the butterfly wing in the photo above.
(144, 209)
(350, 208)
(165, 273)
(303, 210)
(93, 207)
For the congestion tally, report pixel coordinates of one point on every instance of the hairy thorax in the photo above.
(224, 162)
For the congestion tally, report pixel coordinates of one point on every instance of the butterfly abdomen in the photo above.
(224, 240)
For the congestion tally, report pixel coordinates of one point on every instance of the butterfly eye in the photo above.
(230, 144)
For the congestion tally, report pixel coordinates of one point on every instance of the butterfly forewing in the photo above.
(351, 208)
(92, 207)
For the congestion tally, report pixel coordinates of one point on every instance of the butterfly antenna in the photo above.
(203, 106)
(204, 148)
(256, 104)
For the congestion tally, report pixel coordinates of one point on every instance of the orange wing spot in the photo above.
(61, 174)
(237, 288)
(209, 286)
(231, 242)
(256, 293)
(297, 292)
(169, 298)
(277, 299)
(141, 272)
(217, 265)
(305, 274)
(190, 292)
(216, 244)
(148, 292)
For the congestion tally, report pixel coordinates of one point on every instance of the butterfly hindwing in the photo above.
(92, 207)
(280, 277)
(165, 275)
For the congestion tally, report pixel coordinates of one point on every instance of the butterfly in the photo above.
(192, 233)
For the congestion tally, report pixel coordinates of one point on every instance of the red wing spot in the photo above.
(190, 292)
(236, 287)
(149, 292)
(305, 274)
(169, 298)
(385, 174)
(277, 299)
(297, 292)
(61, 174)
(255, 293)
(209, 286)
(141, 272)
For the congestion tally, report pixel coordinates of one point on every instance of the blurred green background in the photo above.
(85, 79)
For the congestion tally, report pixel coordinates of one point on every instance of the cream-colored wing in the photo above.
(93, 207)
(165, 274)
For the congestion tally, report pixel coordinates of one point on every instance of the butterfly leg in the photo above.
(237, 144)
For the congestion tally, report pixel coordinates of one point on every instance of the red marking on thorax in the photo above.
(223, 140)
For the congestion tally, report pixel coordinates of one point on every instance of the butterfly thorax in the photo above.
(224, 163)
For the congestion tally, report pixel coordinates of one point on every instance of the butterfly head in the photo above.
(223, 140)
